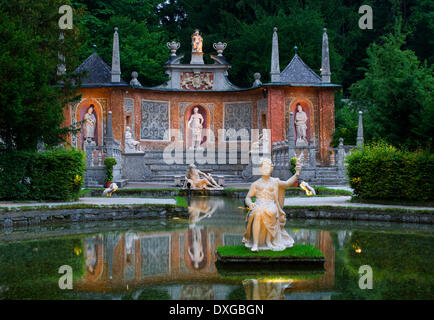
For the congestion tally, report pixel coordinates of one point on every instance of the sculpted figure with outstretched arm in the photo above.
(266, 220)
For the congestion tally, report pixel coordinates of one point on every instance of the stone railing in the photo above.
(283, 152)
(95, 155)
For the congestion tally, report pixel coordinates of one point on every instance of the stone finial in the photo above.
(295, 49)
(257, 82)
(275, 66)
(116, 60)
(359, 140)
(325, 61)
(219, 47)
(134, 82)
(173, 46)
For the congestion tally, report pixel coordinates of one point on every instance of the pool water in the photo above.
(175, 259)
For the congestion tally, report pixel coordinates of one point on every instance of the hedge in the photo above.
(383, 172)
(50, 175)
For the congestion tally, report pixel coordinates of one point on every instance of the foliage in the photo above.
(109, 162)
(293, 163)
(141, 38)
(298, 251)
(382, 172)
(396, 94)
(31, 104)
(50, 175)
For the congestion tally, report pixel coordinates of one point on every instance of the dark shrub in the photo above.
(380, 171)
(51, 175)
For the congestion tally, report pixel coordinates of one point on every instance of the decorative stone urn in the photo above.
(173, 46)
(219, 47)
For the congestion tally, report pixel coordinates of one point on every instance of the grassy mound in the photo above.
(297, 251)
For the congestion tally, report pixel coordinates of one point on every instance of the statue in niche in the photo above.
(198, 180)
(131, 145)
(89, 125)
(300, 126)
(266, 220)
(196, 41)
(195, 124)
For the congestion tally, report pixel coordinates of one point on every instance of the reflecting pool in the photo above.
(175, 259)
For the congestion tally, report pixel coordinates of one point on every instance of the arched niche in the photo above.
(307, 107)
(205, 112)
(80, 112)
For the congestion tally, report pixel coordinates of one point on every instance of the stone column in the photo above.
(291, 137)
(359, 140)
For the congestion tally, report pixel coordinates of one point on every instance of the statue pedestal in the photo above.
(196, 58)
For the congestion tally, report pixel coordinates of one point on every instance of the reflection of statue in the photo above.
(89, 124)
(301, 127)
(195, 123)
(196, 41)
(200, 180)
(265, 289)
(195, 250)
(266, 221)
(91, 253)
(131, 145)
(205, 205)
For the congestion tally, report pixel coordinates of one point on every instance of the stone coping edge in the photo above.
(36, 216)
(360, 213)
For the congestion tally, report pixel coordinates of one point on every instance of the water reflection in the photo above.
(174, 259)
(185, 257)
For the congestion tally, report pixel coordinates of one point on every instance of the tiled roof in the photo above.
(298, 72)
(98, 73)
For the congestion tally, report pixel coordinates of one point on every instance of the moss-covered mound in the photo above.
(236, 259)
(296, 252)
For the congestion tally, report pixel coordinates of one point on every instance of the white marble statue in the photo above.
(195, 124)
(131, 145)
(301, 127)
(89, 124)
(199, 180)
(266, 220)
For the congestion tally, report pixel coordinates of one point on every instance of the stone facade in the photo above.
(156, 114)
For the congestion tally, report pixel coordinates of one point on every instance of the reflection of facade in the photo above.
(137, 259)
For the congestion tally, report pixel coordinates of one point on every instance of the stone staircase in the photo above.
(161, 172)
(323, 176)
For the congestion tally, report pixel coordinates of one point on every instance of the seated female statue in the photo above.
(266, 220)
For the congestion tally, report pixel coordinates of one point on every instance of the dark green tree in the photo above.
(31, 102)
(396, 94)
(142, 39)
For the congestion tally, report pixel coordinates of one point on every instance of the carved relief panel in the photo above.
(154, 120)
(197, 80)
